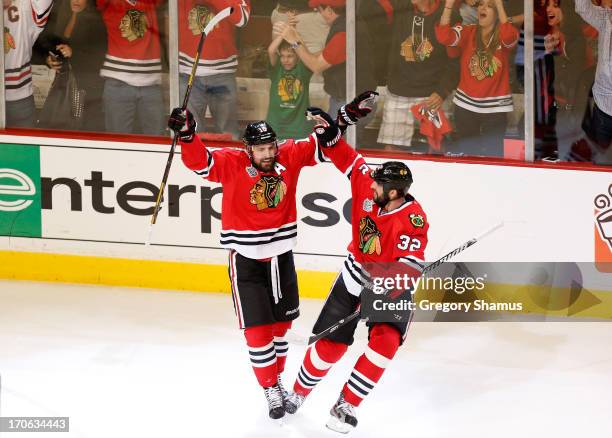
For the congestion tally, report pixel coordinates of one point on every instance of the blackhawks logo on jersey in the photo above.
(369, 236)
(417, 220)
(268, 192)
(483, 65)
(9, 41)
(133, 25)
(289, 90)
(199, 16)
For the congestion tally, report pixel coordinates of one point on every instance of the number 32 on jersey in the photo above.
(409, 243)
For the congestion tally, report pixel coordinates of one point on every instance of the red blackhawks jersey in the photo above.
(484, 84)
(378, 236)
(258, 213)
(133, 55)
(219, 54)
(24, 20)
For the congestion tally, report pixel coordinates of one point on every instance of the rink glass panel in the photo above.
(122, 90)
(559, 117)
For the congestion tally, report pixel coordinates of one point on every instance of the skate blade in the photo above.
(338, 426)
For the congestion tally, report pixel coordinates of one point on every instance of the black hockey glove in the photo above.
(358, 108)
(183, 124)
(326, 129)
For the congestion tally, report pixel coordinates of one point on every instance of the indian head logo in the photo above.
(289, 89)
(369, 236)
(9, 41)
(268, 192)
(133, 25)
(603, 231)
(198, 18)
(483, 65)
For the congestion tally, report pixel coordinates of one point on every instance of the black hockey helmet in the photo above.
(258, 133)
(393, 175)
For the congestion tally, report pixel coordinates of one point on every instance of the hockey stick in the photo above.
(211, 24)
(426, 270)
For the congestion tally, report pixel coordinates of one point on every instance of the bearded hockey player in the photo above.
(259, 229)
(388, 226)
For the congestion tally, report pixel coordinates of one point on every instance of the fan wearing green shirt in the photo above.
(289, 88)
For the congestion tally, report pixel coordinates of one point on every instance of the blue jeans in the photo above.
(20, 113)
(217, 92)
(125, 104)
(601, 136)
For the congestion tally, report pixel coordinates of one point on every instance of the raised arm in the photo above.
(596, 16)
(314, 61)
(273, 49)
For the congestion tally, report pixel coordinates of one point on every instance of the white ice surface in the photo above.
(140, 363)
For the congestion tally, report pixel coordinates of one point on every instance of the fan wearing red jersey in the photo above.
(132, 96)
(259, 227)
(388, 226)
(214, 84)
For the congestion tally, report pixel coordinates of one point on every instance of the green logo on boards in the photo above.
(20, 209)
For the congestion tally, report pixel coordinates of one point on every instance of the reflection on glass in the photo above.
(214, 86)
(74, 45)
(448, 85)
(132, 70)
(24, 20)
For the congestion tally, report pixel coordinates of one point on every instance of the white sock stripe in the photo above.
(357, 390)
(308, 375)
(264, 348)
(365, 379)
(305, 382)
(376, 358)
(263, 364)
(318, 363)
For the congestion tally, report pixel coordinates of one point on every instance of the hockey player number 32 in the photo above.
(406, 242)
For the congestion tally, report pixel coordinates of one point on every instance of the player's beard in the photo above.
(264, 167)
(381, 200)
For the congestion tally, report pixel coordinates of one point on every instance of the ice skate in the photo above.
(275, 402)
(343, 418)
(293, 402)
(283, 391)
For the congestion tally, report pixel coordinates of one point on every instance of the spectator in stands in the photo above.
(544, 80)
(77, 31)
(132, 92)
(24, 20)
(483, 96)
(420, 70)
(600, 17)
(309, 24)
(572, 79)
(331, 61)
(289, 91)
(214, 86)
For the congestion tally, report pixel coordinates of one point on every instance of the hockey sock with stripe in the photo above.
(262, 352)
(280, 344)
(382, 346)
(317, 362)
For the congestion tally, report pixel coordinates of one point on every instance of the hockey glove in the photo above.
(326, 129)
(183, 124)
(358, 108)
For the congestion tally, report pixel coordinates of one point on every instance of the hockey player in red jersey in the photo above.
(388, 226)
(259, 227)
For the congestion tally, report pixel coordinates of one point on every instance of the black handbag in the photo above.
(63, 108)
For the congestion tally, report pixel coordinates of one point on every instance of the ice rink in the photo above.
(139, 363)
